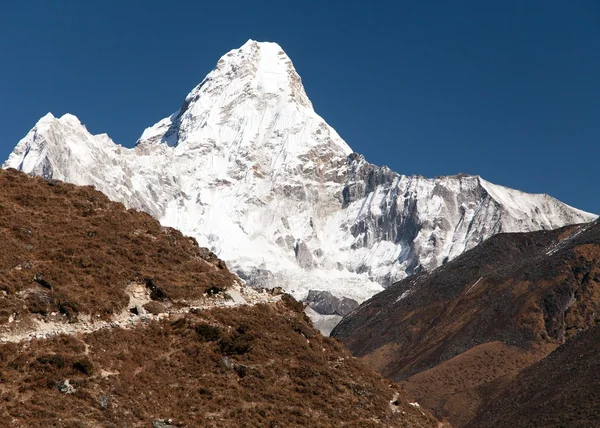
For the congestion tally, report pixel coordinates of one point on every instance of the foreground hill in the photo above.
(250, 366)
(248, 168)
(455, 335)
(70, 254)
(109, 319)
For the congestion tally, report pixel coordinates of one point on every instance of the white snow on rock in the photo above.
(249, 169)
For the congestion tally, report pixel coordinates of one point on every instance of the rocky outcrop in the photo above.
(325, 303)
(303, 255)
(258, 278)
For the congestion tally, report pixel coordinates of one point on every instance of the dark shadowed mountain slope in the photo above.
(562, 390)
(486, 315)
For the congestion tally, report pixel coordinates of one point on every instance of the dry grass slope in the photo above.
(70, 250)
(562, 390)
(245, 367)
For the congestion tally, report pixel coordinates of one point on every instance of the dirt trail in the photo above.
(39, 327)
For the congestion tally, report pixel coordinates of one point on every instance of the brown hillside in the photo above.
(69, 250)
(456, 335)
(261, 366)
(562, 390)
(150, 343)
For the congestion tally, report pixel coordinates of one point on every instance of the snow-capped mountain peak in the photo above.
(521, 204)
(257, 77)
(48, 117)
(56, 146)
(248, 168)
(258, 68)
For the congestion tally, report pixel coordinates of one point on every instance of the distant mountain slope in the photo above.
(562, 390)
(109, 319)
(249, 169)
(452, 334)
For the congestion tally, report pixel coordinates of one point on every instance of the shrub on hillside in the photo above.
(208, 333)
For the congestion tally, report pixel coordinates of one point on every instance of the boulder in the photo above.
(325, 303)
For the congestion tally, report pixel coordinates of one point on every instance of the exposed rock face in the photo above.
(452, 334)
(432, 221)
(258, 278)
(164, 423)
(326, 303)
(249, 169)
(303, 255)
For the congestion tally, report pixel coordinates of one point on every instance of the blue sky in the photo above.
(508, 90)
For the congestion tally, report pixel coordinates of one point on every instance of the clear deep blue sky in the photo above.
(509, 90)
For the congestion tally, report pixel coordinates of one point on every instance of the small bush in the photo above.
(39, 304)
(243, 328)
(292, 303)
(236, 344)
(205, 391)
(68, 308)
(208, 333)
(155, 308)
(181, 323)
(156, 292)
(53, 360)
(84, 366)
(241, 370)
(214, 290)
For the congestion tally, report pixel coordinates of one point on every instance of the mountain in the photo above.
(561, 390)
(109, 319)
(454, 337)
(248, 168)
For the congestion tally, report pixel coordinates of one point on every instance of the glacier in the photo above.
(248, 168)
